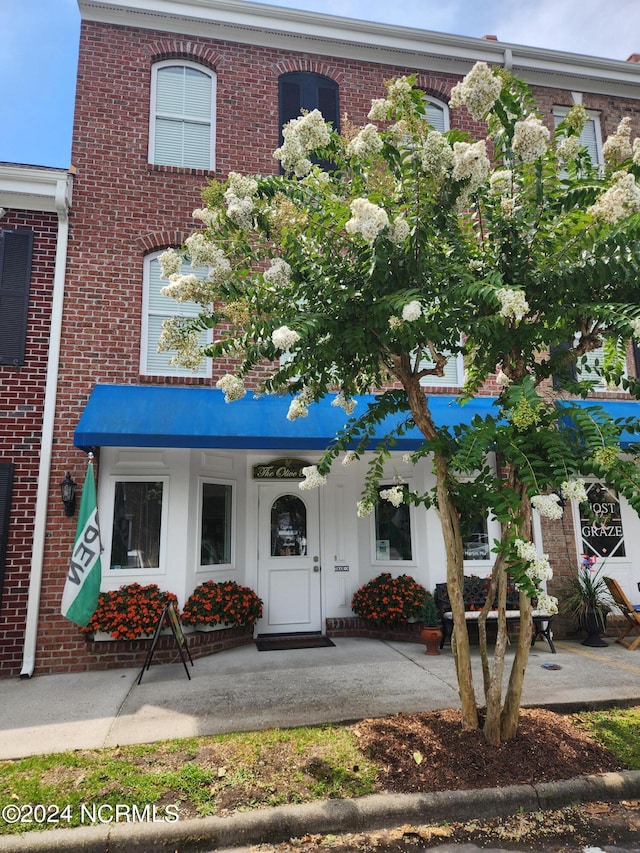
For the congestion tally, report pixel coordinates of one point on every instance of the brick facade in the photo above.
(123, 208)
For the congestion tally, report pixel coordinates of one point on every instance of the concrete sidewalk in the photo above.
(245, 689)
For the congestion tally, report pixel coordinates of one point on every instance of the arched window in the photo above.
(182, 126)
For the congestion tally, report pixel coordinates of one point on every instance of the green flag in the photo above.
(81, 590)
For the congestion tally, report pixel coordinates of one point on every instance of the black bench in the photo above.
(475, 593)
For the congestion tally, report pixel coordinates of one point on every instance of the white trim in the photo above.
(273, 26)
(60, 195)
(35, 188)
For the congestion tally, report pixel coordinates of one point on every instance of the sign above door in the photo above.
(280, 469)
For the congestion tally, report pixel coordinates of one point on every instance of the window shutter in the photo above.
(290, 101)
(16, 248)
(6, 486)
(636, 357)
(451, 374)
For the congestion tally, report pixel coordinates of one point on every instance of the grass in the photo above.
(219, 775)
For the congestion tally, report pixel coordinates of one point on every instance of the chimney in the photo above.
(495, 38)
(635, 57)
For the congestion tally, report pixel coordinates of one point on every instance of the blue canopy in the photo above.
(169, 416)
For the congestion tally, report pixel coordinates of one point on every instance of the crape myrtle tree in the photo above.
(379, 253)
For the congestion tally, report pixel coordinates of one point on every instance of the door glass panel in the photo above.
(288, 527)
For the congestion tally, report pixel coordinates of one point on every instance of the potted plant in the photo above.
(222, 604)
(431, 633)
(587, 597)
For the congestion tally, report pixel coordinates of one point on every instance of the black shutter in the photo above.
(6, 485)
(15, 275)
(290, 99)
(636, 357)
(567, 371)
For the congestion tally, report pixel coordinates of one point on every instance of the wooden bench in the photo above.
(475, 593)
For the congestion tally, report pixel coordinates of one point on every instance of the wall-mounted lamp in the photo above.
(68, 491)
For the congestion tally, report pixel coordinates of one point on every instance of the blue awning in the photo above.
(618, 410)
(169, 416)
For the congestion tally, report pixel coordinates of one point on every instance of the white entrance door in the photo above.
(288, 559)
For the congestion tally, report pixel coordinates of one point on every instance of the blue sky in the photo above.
(39, 44)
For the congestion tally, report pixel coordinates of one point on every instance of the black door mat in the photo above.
(281, 643)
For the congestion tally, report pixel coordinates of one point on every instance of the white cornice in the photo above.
(35, 188)
(290, 29)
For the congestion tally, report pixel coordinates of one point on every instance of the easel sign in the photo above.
(178, 635)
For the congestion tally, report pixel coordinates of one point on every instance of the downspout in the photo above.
(62, 202)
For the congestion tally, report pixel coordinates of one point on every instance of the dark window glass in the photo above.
(215, 544)
(288, 527)
(393, 530)
(137, 519)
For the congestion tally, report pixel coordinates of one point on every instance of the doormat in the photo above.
(281, 643)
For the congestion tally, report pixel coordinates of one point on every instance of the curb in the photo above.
(377, 811)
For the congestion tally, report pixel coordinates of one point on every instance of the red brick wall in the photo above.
(22, 392)
(123, 207)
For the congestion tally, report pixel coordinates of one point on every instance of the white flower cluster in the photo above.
(397, 90)
(635, 326)
(239, 199)
(568, 149)
(538, 565)
(399, 230)
(346, 403)
(299, 404)
(349, 458)
(367, 219)
(365, 508)
(185, 288)
(366, 143)
(478, 91)
(170, 262)
(203, 214)
(547, 604)
(617, 147)
(395, 322)
(574, 490)
(379, 109)
(232, 386)
(530, 139)
(512, 303)
(636, 151)
(312, 478)
(501, 182)
(502, 380)
(547, 505)
(620, 200)
(278, 274)
(174, 336)
(395, 495)
(301, 136)
(470, 162)
(436, 155)
(284, 338)
(412, 311)
(202, 251)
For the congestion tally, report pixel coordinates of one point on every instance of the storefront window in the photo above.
(215, 542)
(393, 530)
(288, 527)
(475, 538)
(137, 517)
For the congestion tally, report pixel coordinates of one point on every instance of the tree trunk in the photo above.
(450, 525)
(493, 689)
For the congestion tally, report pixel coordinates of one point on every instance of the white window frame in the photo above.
(178, 308)
(212, 568)
(412, 530)
(153, 114)
(117, 577)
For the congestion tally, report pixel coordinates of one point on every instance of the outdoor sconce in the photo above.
(68, 491)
